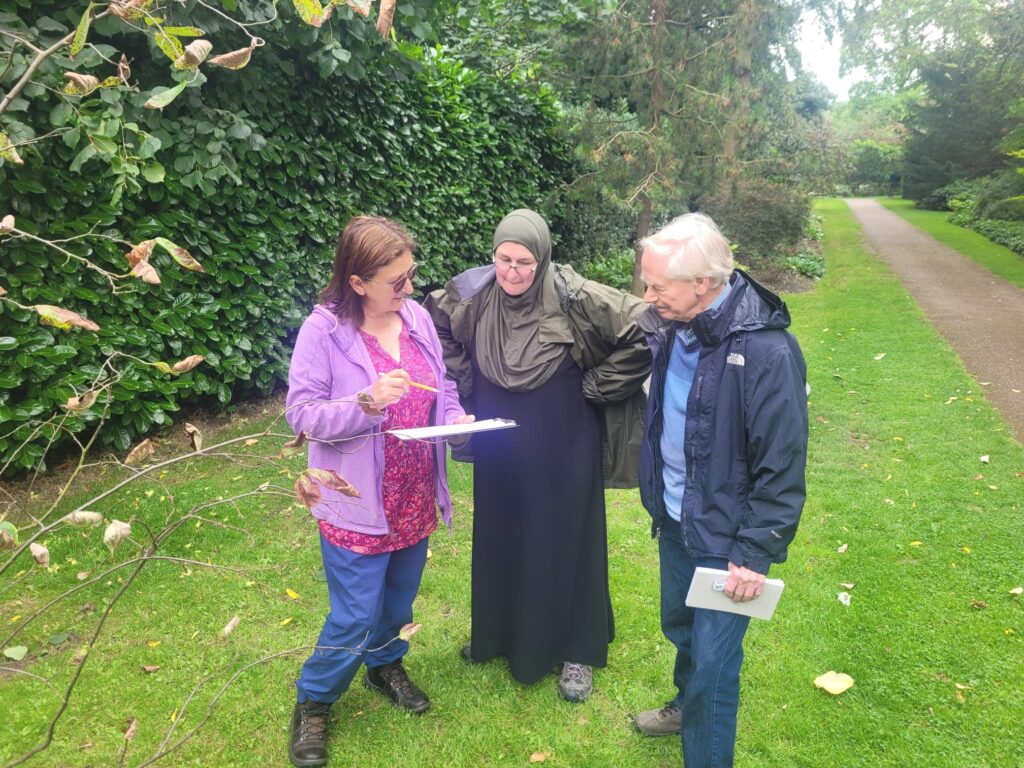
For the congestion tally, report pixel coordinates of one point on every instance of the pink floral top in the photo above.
(409, 499)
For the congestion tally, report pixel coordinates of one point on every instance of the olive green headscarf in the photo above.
(521, 340)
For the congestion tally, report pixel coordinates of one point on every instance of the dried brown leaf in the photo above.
(408, 631)
(79, 84)
(65, 319)
(307, 490)
(124, 71)
(40, 553)
(81, 403)
(149, 669)
(362, 7)
(140, 452)
(233, 59)
(187, 364)
(116, 532)
(229, 628)
(328, 478)
(194, 436)
(297, 442)
(145, 272)
(539, 757)
(140, 252)
(131, 726)
(83, 517)
(194, 54)
(7, 224)
(385, 17)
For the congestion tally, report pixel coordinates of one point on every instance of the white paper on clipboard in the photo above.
(449, 430)
(707, 591)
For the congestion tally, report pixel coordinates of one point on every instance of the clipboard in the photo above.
(449, 430)
(707, 590)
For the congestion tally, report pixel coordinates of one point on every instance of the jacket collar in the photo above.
(749, 307)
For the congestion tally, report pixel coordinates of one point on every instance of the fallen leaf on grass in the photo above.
(285, 622)
(844, 598)
(292, 594)
(131, 726)
(965, 550)
(59, 638)
(82, 575)
(1017, 591)
(16, 652)
(983, 459)
(153, 643)
(978, 477)
(229, 628)
(847, 585)
(916, 543)
(83, 517)
(979, 604)
(842, 548)
(960, 698)
(879, 357)
(539, 757)
(834, 682)
(251, 441)
(149, 669)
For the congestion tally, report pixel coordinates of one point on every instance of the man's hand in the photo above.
(743, 584)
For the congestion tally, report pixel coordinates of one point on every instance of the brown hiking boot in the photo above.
(393, 682)
(667, 721)
(308, 744)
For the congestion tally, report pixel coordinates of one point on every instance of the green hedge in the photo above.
(262, 167)
(992, 206)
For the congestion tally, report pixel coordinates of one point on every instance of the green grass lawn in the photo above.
(996, 258)
(933, 636)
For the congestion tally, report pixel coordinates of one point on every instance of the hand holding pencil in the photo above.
(394, 385)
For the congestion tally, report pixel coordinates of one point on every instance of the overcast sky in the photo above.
(821, 58)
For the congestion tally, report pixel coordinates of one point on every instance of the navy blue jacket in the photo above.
(746, 429)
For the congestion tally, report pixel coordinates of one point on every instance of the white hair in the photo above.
(694, 246)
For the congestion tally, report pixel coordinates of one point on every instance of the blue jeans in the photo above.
(709, 653)
(371, 600)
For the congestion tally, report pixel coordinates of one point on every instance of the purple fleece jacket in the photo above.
(330, 367)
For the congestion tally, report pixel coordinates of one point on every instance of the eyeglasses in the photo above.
(398, 286)
(519, 269)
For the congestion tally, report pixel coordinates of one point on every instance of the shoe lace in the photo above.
(400, 679)
(313, 723)
(573, 673)
(669, 709)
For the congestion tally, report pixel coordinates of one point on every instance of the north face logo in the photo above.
(735, 358)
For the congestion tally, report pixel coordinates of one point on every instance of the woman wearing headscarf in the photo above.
(530, 340)
(367, 360)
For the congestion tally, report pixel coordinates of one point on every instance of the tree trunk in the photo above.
(643, 229)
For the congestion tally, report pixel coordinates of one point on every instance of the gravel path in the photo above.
(981, 315)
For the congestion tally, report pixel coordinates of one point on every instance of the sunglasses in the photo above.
(398, 285)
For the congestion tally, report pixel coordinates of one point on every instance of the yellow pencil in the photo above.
(422, 386)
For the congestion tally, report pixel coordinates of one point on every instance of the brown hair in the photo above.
(365, 245)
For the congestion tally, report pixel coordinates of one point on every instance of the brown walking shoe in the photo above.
(393, 682)
(667, 721)
(308, 744)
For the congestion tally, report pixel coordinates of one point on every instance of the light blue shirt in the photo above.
(682, 365)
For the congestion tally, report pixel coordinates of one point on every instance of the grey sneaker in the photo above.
(576, 682)
(667, 721)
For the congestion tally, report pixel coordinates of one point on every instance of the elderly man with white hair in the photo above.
(721, 465)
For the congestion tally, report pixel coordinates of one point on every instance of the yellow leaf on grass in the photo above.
(153, 643)
(916, 543)
(842, 548)
(1017, 591)
(292, 594)
(966, 550)
(285, 622)
(834, 682)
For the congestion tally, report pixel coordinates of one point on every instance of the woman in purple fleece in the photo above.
(349, 382)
